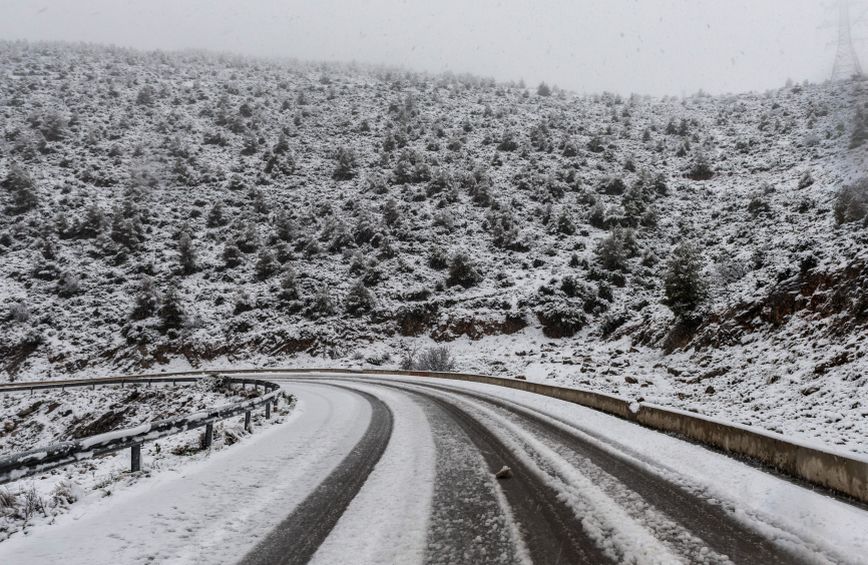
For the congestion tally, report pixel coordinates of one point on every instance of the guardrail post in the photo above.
(268, 410)
(209, 433)
(136, 458)
(247, 421)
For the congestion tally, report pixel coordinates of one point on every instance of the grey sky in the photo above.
(647, 46)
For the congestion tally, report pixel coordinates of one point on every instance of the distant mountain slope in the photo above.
(192, 208)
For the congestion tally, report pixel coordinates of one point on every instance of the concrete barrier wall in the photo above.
(845, 474)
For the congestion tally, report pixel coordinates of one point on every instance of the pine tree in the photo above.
(171, 312)
(232, 256)
(684, 287)
(266, 265)
(359, 299)
(147, 300)
(186, 254)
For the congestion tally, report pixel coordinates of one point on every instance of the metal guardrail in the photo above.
(38, 460)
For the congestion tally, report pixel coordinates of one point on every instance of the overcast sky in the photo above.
(645, 46)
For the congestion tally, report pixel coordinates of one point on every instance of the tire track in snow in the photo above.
(551, 531)
(299, 535)
(471, 521)
(723, 534)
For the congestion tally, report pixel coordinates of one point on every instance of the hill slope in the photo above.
(206, 210)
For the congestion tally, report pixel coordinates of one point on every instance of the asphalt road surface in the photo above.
(569, 499)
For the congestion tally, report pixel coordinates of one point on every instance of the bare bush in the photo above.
(438, 359)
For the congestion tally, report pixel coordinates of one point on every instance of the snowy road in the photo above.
(401, 470)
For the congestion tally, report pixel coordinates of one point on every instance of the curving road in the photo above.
(402, 470)
(572, 497)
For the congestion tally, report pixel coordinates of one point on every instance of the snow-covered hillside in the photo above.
(192, 209)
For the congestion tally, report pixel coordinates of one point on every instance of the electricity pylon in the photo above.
(847, 64)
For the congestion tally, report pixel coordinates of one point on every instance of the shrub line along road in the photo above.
(387, 469)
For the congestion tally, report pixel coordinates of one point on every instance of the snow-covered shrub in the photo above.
(851, 204)
(54, 126)
(759, 206)
(411, 167)
(806, 180)
(612, 321)
(565, 223)
(860, 129)
(232, 256)
(701, 169)
(19, 312)
(68, 284)
(322, 304)
(597, 216)
(146, 96)
(613, 186)
(216, 216)
(359, 300)
(561, 318)
(507, 141)
(244, 302)
(288, 287)
(20, 186)
(247, 239)
(462, 271)
(391, 213)
(614, 251)
(345, 164)
(438, 258)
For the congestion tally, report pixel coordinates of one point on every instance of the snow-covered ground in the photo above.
(53, 415)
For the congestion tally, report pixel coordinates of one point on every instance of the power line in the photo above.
(847, 65)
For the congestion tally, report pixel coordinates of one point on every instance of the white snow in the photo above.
(387, 521)
(211, 511)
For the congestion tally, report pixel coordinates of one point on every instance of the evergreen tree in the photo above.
(216, 217)
(232, 256)
(463, 272)
(146, 301)
(684, 287)
(186, 254)
(171, 312)
(359, 299)
(266, 265)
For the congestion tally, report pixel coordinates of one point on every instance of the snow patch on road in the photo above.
(387, 521)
